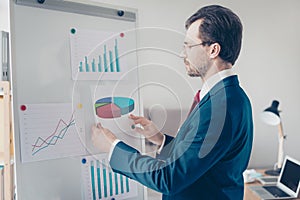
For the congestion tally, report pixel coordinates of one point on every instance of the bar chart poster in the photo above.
(100, 182)
(50, 131)
(97, 55)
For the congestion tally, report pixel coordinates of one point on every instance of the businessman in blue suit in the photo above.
(212, 147)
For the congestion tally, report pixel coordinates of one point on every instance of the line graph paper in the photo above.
(50, 131)
(60, 131)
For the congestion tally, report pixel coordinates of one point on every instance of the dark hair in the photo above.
(220, 25)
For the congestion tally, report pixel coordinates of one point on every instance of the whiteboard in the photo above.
(42, 78)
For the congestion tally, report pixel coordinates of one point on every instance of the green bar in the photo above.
(86, 65)
(117, 56)
(122, 184)
(111, 62)
(116, 183)
(93, 65)
(104, 179)
(127, 184)
(80, 67)
(110, 184)
(99, 182)
(104, 59)
(99, 64)
(93, 180)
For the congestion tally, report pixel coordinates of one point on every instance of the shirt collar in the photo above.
(213, 80)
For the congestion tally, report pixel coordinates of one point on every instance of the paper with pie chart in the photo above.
(113, 104)
(113, 107)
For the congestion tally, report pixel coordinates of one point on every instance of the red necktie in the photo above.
(195, 102)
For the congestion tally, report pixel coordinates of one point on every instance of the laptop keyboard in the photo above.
(276, 191)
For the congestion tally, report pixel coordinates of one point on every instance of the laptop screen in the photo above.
(291, 175)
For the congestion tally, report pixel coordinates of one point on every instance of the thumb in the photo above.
(99, 125)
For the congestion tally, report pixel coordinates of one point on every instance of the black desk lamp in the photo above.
(271, 116)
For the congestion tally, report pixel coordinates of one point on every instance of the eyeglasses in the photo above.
(185, 45)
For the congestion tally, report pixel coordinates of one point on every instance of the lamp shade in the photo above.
(271, 114)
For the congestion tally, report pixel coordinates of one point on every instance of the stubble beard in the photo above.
(198, 71)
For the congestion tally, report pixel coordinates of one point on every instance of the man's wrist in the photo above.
(160, 147)
(157, 139)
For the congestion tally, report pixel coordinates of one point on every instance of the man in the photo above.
(212, 148)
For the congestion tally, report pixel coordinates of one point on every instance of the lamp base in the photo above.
(273, 172)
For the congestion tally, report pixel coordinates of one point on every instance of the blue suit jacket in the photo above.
(207, 157)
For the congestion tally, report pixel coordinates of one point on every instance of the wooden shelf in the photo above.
(5, 156)
(1, 158)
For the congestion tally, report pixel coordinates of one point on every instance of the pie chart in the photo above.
(113, 107)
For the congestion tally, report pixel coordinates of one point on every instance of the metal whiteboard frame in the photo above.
(65, 7)
(80, 8)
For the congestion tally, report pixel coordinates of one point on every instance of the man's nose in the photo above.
(182, 54)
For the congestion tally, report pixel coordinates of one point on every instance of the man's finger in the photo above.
(138, 121)
(99, 125)
(143, 121)
(131, 116)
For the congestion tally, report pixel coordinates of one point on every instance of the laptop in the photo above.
(288, 183)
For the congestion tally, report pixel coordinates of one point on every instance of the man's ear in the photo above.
(215, 49)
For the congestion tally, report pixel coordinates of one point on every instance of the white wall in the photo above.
(269, 68)
(4, 15)
(268, 65)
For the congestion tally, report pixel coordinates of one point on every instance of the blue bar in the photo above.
(99, 65)
(99, 182)
(117, 56)
(116, 184)
(127, 184)
(122, 185)
(80, 67)
(93, 180)
(110, 184)
(86, 64)
(104, 179)
(105, 59)
(111, 62)
(93, 65)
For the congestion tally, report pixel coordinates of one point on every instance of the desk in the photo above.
(248, 194)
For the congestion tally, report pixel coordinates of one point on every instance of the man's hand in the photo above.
(149, 130)
(102, 138)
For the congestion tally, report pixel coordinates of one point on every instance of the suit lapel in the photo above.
(231, 80)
